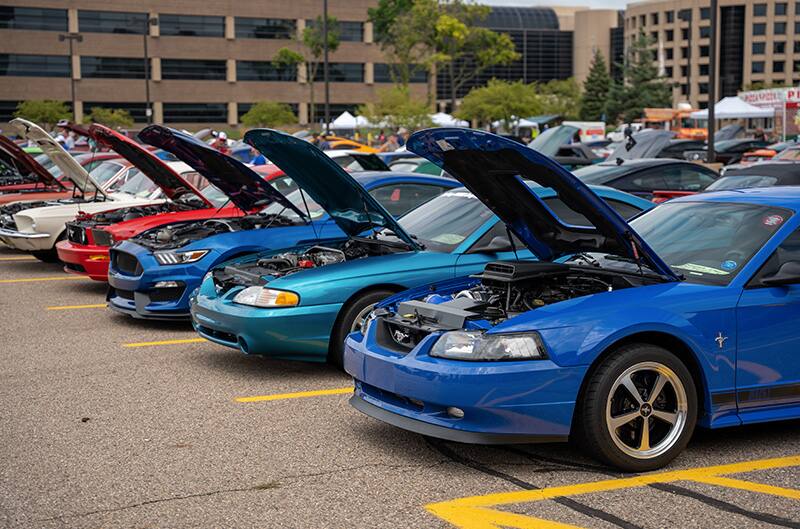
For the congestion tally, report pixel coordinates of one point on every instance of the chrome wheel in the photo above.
(646, 410)
(360, 317)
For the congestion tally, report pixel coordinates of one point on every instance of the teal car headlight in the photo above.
(174, 258)
(478, 346)
(266, 297)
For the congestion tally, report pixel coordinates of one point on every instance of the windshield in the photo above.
(741, 182)
(726, 144)
(105, 172)
(444, 222)
(708, 242)
(788, 154)
(48, 164)
(214, 195)
(138, 185)
(315, 211)
(599, 174)
(549, 141)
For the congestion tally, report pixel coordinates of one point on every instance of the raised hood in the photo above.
(345, 200)
(156, 170)
(493, 169)
(27, 164)
(246, 189)
(68, 165)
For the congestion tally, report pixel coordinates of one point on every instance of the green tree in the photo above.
(643, 87)
(44, 112)
(268, 114)
(596, 90)
(384, 15)
(500, 100)
(111, 117)
(396, 108)
(561, 97)
(314, 43)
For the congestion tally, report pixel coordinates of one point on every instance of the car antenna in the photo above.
(511, 240)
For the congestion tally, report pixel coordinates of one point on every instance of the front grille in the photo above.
(102, 237)
(166, 294)
(127, 263)
(76, 234)
(74, 267)
(397, 336)
(124, 294)
(219, 335)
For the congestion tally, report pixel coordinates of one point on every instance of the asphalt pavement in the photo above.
(107, 421)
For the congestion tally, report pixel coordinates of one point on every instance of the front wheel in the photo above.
(46, 256)
(350, 319)
(639, 409)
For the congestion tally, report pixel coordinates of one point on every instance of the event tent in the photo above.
(734, 108)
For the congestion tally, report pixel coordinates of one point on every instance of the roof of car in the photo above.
(366, 178)
(779, 196)
(645, 162)
(788, 170)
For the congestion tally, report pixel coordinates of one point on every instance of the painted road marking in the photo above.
(165, 342)
(478, 512)
(297, 395)
(71, 307)
(36, 279)
(19, 258)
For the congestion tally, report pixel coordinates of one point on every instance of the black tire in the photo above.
(606, 403)
(47, 256)
(347, 320)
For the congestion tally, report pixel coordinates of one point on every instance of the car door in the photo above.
(768, 341)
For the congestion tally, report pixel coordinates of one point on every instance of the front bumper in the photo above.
(88, 260)
(296, 333)
(502, 402)
(26, 241)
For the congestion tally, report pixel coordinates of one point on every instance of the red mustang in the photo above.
(86, 251)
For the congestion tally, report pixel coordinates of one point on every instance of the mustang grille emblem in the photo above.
(720, 340)
(400, 337)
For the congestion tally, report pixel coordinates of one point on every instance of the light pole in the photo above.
(148, 112)
(711, 157)
(70, 38)
(325, 66)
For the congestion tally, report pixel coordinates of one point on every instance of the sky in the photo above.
(595, 4)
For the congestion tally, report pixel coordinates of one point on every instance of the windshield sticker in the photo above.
(448, 238)
(772, 220)
(691, 267)
(444, 145)
(729, 265)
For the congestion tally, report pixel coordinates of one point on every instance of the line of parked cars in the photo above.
(503, 299)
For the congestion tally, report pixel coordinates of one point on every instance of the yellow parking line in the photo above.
(478, 512)
(70, 307)
(165, 342)
(297, 395)
(19, 258)
(36, 279)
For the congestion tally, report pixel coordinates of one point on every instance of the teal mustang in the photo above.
(301, 302)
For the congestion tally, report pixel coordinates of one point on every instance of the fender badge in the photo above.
(720, 340)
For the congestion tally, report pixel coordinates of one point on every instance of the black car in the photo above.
(677, 148)
(728, 151)
(759, 174)
(643, 177)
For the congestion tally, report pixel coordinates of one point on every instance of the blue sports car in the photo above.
(623, 344)
(302, 302)
(153, 274)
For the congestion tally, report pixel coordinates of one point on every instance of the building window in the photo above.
(34, 65)
(759, 29)
(669, 35)
(112, 67)
(685, 33)
(136, 110)
(243, 108)
(705, 32)
(196, 112)
(705, 13)
(335, 110)
(797, 25)
(654, 19)
(684, 71)
(264, 71)
(684, 53)
(796, 66)
(704, 51)
(33, 18)
(780, 8)
(191, 26)
(642, 20)
(702, 88)
(670, 16)
(342, 72)
(112, 22)
(703, 69)
(633, 22)
(779, 28)
(778, 47)
(797, 46)
(759, 48)
(654, 36)
(685, 15)
(778, 66)
(383, 74)
(685, 89)
(349, 31)
(758, 67)
(668, 71)
(198, 69)
(265, 28)
(670, 54)
(759, 10)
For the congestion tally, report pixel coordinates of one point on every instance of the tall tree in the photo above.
(643, 87)
(500, 100)
(268, 114)
(561, 97)
(44, 112)
(111, 117)
(596, 90)
(397, 108)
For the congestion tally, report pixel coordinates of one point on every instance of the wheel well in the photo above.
(383, 286)
(667, 341)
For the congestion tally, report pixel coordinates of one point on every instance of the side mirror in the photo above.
(498, 244)
(787, 274)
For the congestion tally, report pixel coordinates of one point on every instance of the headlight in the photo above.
(173, 258)
(266, 297)
(477, 346)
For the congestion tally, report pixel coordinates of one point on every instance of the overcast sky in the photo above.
(595, 4)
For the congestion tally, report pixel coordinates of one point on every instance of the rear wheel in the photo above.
(350, 319)
(639, 409)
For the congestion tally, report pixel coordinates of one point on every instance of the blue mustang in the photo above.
(301, 302)
(623, 344)
(153, 274)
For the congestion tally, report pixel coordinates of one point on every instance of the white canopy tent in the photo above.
(734, 108)
(347, 121)
(440, 119)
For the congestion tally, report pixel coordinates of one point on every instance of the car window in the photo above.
(498, 230)
(789, 250)
(402, 198)
(788, 154)
(404, 167)
(686, 178)
(343, 161)
(742, 182)
(105, 172)
(647, 180)
(284, 184)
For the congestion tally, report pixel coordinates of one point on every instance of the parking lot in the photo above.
(111, 422)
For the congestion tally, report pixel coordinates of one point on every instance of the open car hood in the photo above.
(649, 143)
(493, 169)
(155, 169)
(345, 200)
(246, 189)
(27, 164)
(70, 167)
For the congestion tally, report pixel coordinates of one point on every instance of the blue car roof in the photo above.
(781, 196)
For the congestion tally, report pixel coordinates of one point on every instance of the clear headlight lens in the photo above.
(266, 297)
(173, 258)
(477, 346)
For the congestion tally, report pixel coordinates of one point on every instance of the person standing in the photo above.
(221, 143)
